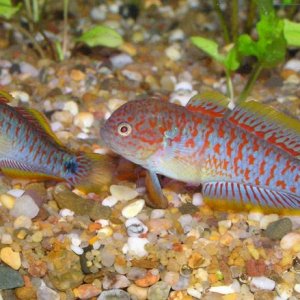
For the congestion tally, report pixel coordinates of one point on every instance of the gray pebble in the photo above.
(276, 230)
(9, 278)
(115, 294)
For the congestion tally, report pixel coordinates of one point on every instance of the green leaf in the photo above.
(7, 10)
(291, 32)
(101, 36)
(231, 61)
(209, 47)
(265, 7)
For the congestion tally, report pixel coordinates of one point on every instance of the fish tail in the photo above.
(91, 172)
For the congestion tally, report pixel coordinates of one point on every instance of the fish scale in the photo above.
(29, 149)
(249, 155)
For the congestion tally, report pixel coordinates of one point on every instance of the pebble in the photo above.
(45, 293)
(170, 277)
(186, 222)
(72, 107)
(278, 229)
(183, 85)
(16, 192)
(157, 213)
(255, 216)
(135, 246)
(26, 293)
(98, 13)
(226, 289)
(11, 258)
(77, 249)
(22, 222)
(109, 201)
(159, 291)
(150, 278)
(86, 291)
(290, 240)
(20, 96)
(7, 200)
(262, 283)
(37, 237)
(115, 281)
(9, 278)
(293, 64)
(115, 294)
(139, 292)
(133, 209)
(122, 192)
(84, 120)
(77, 75)
(197, 199)
(25, 206)
(121, 60)
(135, 227)
(297, 288)
(56, 126)
(173, 52)
(131, 75)
(6, 239)
(284, 290)
(5, 77)
(176, 35)
(267, 219)
(28, 69)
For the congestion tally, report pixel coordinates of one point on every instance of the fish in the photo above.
(242, 158)
(29, 149)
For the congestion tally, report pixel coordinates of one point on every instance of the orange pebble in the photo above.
(94, 226)
(148, 280)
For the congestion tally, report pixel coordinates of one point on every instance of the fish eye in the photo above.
(124, 129)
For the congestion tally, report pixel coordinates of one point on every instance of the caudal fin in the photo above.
(92, 172)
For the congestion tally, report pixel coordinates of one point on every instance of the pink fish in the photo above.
(29, 149)
(245, 157)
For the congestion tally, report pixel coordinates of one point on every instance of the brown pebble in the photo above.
(255, 267)
(77, 75)
(26, 293)
(148, 280)
(37, 268)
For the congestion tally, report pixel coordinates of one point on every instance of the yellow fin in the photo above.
(5, 97)
(40, 122)
(15, 173)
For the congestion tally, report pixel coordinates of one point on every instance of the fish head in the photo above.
(136, 129)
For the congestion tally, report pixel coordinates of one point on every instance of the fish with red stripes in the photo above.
(29, 149)
(245, 157)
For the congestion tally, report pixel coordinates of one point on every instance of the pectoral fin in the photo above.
(243, 196)
(157, 199)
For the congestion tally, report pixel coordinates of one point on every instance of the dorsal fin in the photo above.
(40, 123)
(5, 97)
(268, 124)
(211, 103)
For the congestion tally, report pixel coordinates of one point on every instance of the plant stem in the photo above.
(35, 11)
(250, 15)
(234, 19)
(65, 34)
(249, 85)
(29, 13)
(229, 85)
(222, 21)
(31, 38)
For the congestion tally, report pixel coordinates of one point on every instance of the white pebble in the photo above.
(121, 60)
(72, 107)
(176, 35)
(131, 75)
(133, 209)
(109, 201)
(76, 241)
(16, 192)
(122, 192)
(293, 64)
(225, 223)
(56, 126)
(266, 220)
(173, 52)
(183, 85)
(84, 120)
(262, 283)
(65, 212)
(290, 240)
(103, 222)
(28, 69)
(197, 199)
(25, 206)
(22, 222)
(297, 287)
(6, 239)
(255, 216)
(227, 289)
(157, 213)
(20, 95)
(77, 250)
(82, 135)
(186, 222)
(194, 292)
(135, 246)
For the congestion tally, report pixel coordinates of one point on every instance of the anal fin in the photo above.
(245, 196)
